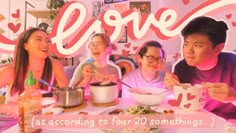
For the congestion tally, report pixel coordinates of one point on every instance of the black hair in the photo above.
(144, 49)
(21, 64)
(215, 30)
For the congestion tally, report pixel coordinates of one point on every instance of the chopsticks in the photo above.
(161, 92)
(49, 85)
(144, 93)
(99, 74)
(103, 76)
(126, 85)
(47, 105)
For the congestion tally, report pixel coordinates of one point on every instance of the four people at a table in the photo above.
(203, 63)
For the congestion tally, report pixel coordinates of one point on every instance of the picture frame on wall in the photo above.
(124, 37)
(142, 6)
(113, 1)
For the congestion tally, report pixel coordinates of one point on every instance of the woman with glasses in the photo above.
(97, 68)
(151, 58)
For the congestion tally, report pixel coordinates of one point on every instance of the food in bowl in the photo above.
(116, 112)
(137, 110)
(52, 111)
(48, 113)
(83, 113)
(149, 96)
(103, 93)
(134, 110)
(169, 111)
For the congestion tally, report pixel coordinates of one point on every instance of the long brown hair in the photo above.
(22, 61)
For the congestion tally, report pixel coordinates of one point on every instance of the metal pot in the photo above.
(103, 93)
(69, 96)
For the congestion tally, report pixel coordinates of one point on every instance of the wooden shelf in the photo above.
(39, 13)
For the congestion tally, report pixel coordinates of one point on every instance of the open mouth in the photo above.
(96, 53)
(153, 67)
(44, 50)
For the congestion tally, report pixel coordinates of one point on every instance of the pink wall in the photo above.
(171, 45)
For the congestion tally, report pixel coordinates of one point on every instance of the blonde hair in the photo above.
(106, 39)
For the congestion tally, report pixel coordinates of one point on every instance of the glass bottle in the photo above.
(30, 104)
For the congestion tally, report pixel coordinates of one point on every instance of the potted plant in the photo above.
(6, 61)
(54, 6)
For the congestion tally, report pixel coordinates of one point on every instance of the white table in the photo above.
(123, 103)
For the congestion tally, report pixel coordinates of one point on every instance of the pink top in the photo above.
(11, 99)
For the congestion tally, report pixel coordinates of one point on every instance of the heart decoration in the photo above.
(176, 56)
(176, 102)
(14, 27)
(125, 52)
(190, 96)
(127, 45)
(234, 24)
(134, 48)
(2, 17)
(114, 47)
(185, 2)
(228, 16)
(187, 105)
(17, 14)
(2, 31)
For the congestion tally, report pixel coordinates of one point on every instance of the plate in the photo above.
(52, 111)
(76, 108)
(156, 109)
(48, 100)
(128, 129)
(7, 122)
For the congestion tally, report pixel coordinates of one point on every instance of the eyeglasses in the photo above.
(93, 45)
(152, 59)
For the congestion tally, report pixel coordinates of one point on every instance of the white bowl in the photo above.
(192, 97)
(103, 93)
(149, 96)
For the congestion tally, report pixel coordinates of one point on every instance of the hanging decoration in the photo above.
(2, 17)
(2, 31)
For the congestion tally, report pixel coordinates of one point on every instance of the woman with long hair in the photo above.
(32, 54)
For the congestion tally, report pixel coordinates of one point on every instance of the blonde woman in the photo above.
(97, 68)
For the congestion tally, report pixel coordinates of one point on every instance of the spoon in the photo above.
(49, 85)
